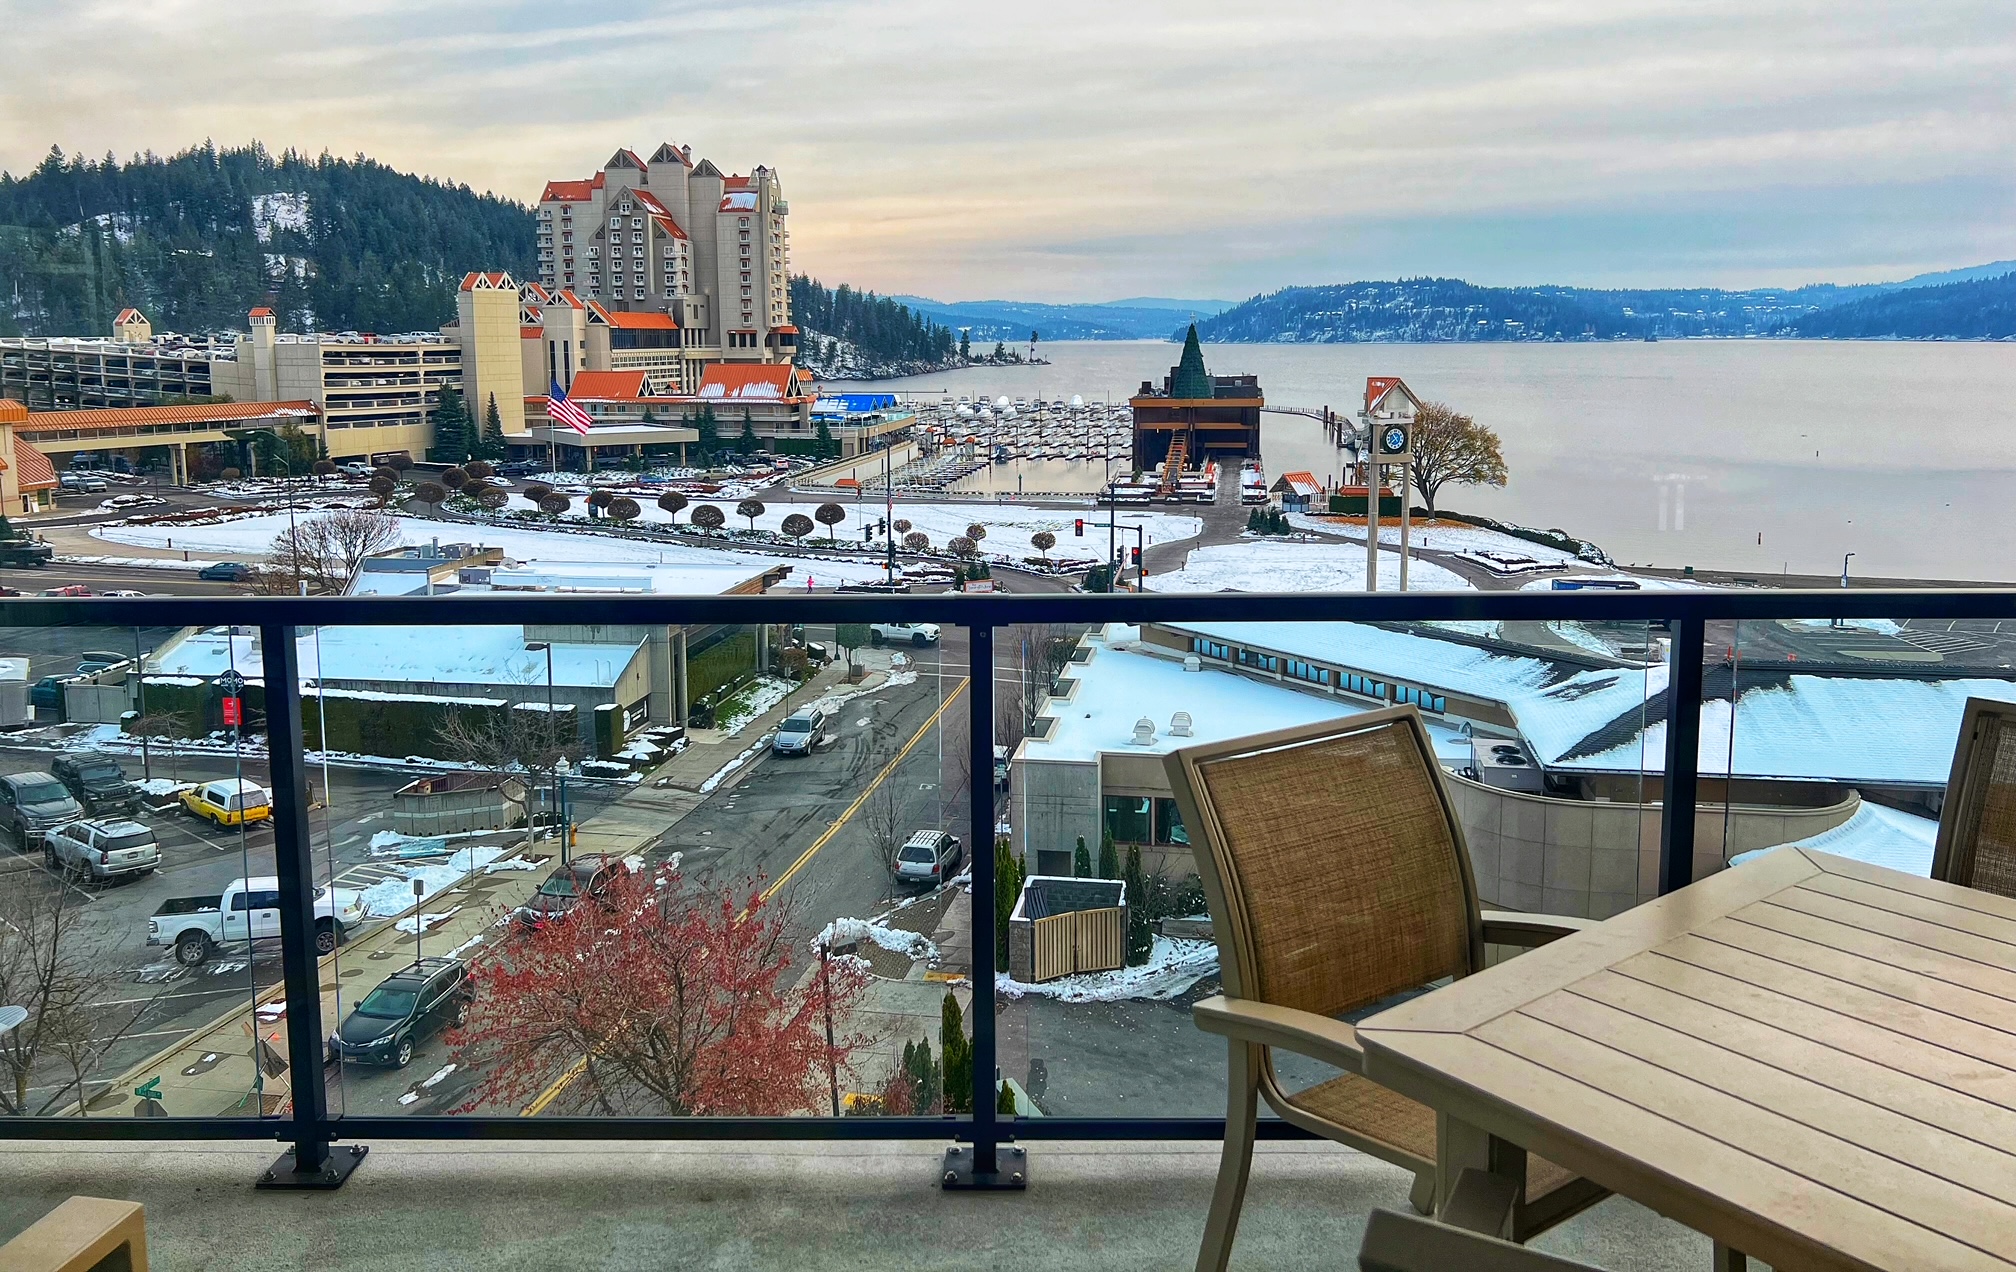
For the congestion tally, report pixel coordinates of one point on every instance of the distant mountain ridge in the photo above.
(1140, 318)
(1976, 303)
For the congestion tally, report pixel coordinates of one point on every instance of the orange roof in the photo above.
(209, 413)
(499, 279)
(737, 183)
(36, 472)
(642, 321)
(786, 327)
(261, 312)
(1301, 483)
(531, 333)
(535, 292)
(12, 412)
(127, 315)
(607, 386)
(572, 191)
(1378, 386)
(750, 382)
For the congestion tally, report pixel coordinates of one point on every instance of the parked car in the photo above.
(225, 572)
(95, 660)
(103, 849)
(122, 591)
(802, 732)
(929, 856)
(407, 1007)
(248, 910)
(97, 782)
(48, 691)
(32, 804)
(904, 633)
(586, 875)
(68, 589)
(25, 553)
(230, 802)
(82, 483)
(517, 468)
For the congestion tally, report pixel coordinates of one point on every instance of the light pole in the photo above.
(1844, 583)
(560, 764)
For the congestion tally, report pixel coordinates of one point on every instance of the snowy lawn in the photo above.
(1259, 565)
(751, 701)
(393, 896)
(1172, 967)
(1440, 536)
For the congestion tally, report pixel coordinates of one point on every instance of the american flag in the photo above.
(559, 408)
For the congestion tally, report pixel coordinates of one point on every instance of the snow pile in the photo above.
(752, 702)
(1263, 566)
(1877, 835)
(913, 945)
(711, 783)
(1172, 967)
(1439, 536)
(393, 896)
(138, 563)
(421, 922)
(162, 787)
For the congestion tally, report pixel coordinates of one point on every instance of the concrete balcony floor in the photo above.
(798, 1206)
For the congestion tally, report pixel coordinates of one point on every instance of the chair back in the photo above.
(1331, 857)
(1977, 826)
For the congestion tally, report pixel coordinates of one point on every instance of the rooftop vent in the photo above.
(1144, 732)
(1179, 725)
(1192, 662)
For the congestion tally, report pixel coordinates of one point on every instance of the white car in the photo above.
(929, 856)
(904, 633)
(104, 849)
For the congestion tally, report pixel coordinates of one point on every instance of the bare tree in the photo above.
(1452, 447)
(829, 515)
(153, 727)
(916, 541)
(522, 740)
(708, 517)
(882, 821)
(750, 509)
(797, 525)
(325, 549)
(66, 981)
(672, 501)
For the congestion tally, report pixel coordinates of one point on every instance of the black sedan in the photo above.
(407, 1007)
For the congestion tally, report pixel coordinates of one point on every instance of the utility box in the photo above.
(1062, 926)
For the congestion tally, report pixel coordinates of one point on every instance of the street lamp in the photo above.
(1844, 568)
(560, 764)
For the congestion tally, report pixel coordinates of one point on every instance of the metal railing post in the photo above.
(309, 1164)
(1683, 755)
(990, 1164)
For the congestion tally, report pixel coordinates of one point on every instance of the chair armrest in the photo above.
(1509, 927)
(1303, 1032)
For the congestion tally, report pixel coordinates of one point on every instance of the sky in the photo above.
(1095, 149)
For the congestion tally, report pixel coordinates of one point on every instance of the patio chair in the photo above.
(1977, 827)
(1337, 877)
(1407, 1243)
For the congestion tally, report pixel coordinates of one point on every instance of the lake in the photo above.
(1751, 455)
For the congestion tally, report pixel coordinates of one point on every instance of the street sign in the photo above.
(231, 682)
(232, 715)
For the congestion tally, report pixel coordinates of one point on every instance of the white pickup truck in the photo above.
(248, 910)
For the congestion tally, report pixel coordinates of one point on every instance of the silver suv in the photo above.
(929, 856)
(801, 731)
(103, 849)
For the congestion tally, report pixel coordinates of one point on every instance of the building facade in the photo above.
(709, 251)
(68, 374)
(1196, 417)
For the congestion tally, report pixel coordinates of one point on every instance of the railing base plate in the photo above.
(282, 1177)
(1011, 1173)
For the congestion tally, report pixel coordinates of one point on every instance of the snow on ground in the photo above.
(1258, 565)
(421, 922)
(1172, 967)
(913, 945)
(283, 210)
(1439, 536)
(707, 787)
(1009, 526)
(393, 896)
(250, 538)
(160, 787)
(752, 702)
(137, 563)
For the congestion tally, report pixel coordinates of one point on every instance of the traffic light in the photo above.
(1079, 528)
(1137, 555)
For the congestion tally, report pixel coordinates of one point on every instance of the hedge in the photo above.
(1354, 505)
(723, 663)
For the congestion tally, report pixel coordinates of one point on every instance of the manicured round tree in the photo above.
(600, 498)
(380, 486)
(324, 468)
(672, 501)
(430, 493)
(976, 532)
(624, 509)
(493, 499)
(480, 468)
(555, 504)
(455, 478)
(902, 526)
(750, 509)
(400, 463)
(829, 515)
(917, 541)
(231, 474)
(1043, 541)
(537, 490)
(388, 472)
(708, 517)
(963, 546)
(797, 525)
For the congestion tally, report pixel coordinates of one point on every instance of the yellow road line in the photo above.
(579, 1067)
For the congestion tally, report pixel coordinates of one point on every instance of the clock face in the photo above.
(1394, 439)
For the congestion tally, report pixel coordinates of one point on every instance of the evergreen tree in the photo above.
(965, 345)
(709, 430)
(6, 527)
(1007, 887)
(1140, 923)
(1081, 860)
(829, 448)
(747, 443)
(493, 431)
(1109, 859)
(451, 428)
(1004, 1100)
(956, 1051)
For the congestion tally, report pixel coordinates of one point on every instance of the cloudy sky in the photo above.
(1093, 149)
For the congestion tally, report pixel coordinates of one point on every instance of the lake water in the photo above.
(1757, 456)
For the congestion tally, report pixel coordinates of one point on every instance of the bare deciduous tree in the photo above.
(324, 549)
(526, 740)
(1452, 447)
(882, 821)
(67, 981)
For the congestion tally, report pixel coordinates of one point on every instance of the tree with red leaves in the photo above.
(668, 999)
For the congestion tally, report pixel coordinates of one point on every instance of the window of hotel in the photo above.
(1169, 825)
(1258, 661)
(1128, 818)
(1208, 648)
(615, 222)
(1360, 684)
(636, 222)
(1404, 694)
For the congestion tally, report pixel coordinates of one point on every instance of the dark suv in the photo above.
(408, 1006)
(586, 875)
(33, 804)
(97, 783)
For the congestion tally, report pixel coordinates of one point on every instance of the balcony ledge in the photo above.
(431, 1204)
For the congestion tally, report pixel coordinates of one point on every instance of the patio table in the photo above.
(1805, 1058)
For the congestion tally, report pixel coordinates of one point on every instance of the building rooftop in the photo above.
(473, 654)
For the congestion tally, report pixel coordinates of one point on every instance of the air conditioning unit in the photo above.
(1507, 765)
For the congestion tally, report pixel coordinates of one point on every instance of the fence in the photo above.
(1079, 941)
(311, 1125)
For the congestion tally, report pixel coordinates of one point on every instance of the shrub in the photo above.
(324, 468)
(600, 498)
(917, 541)
(553, 505)
(624, 509)
(708, 517)
(430, 492)
(750, 509)
(455, 478)
(797, 525)
(537, 491)
(230, 474)
(963, 546)
(672, 501)
(479, 468)
(493, 499)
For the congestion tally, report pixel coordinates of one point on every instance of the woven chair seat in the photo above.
(1380, 1113)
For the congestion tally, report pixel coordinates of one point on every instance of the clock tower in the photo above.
(1386, 444)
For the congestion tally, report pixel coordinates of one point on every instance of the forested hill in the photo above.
(845, 333)
(1981, 309)
(196, 239)
(1449, 309)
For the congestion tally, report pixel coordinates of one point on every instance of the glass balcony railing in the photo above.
(344, 868)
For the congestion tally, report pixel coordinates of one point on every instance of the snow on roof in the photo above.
(1124, 682)
(738, 201)
(464, 655)
(1876, 835)
(1264, 565)
(746, 383)
(1304, 484)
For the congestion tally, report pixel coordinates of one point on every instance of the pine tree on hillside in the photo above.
(965, 345)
